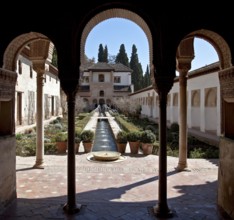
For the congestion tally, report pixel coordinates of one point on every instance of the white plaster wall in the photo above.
(199, 117)
(175, 114)
(107, 76)
(52, 85)
(210, 119)
(125, 79)
(195, 117)
(25, 83)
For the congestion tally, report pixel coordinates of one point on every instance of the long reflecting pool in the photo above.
(104, 138)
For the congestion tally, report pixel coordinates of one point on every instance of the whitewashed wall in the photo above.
(26, 85)
(200, 117)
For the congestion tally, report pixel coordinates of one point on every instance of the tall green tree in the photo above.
(137, 74)
(54, 58)
(100, 53)
(122, 56)
(105, 55)
(146, 78)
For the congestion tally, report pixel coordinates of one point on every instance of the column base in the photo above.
(72, 210)
(39, 165)
(182, 167)
(162, 212)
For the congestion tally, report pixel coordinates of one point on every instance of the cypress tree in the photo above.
(137, 74)
(122, 56)
(100, 53)
(105, 55)
(147, 80)
(54, 58)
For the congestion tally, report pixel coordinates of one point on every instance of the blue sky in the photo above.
(116, 31)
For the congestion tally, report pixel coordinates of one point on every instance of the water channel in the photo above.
(104, 138)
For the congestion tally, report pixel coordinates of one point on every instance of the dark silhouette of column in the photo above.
(70, 89)
(163, 84)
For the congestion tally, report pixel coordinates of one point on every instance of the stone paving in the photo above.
(114, 190)
(125, 189)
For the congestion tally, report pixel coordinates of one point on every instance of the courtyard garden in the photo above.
(56, 131)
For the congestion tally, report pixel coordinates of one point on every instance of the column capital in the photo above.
(39, 65)
(226, 78)
(183, 65)
(70, 86)
(163, 83)
(162, 79)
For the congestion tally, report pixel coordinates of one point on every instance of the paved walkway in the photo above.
(122, 190)
(113, 190)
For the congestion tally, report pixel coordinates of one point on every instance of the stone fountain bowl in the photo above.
(106, 155)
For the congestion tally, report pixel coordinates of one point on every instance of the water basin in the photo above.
(106, 155)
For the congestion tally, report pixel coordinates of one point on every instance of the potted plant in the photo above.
(87, 137)
(61, 142)
(77, 141)
(121, 140)
(147, 139)
(133, 138)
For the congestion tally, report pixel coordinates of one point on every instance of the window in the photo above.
(101, 93)
(101, 78)
(86, 79)
(20, 66)
(31, 72)
(117, 79)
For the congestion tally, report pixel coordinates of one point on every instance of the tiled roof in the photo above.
(101, 66)
(119, 67)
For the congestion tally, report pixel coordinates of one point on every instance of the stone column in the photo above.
(182, 164)
(185, 55)
(70, 87)
(163, 84)
(40, 117)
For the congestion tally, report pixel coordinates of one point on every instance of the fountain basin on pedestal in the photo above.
(106, 155)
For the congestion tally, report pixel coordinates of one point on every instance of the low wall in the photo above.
(226, 177)
(7, 171)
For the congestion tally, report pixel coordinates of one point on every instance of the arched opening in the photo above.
(80, 20)
(115, 13)
(26, 60)
(205, 111)
(101, 102)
